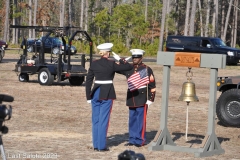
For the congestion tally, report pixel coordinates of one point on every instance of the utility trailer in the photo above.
(59, 70)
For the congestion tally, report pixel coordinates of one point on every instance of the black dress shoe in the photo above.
(137, 145)
(95, 149)
(128, 144)
(103, 150)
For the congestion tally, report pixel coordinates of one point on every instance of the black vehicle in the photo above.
(59, 70)
(3, 44)
(228, 103)
(51, 45)
(202, 45)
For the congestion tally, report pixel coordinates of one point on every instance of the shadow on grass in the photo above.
(118, 139)
(198, 138)
(63, 83)
(221, 124)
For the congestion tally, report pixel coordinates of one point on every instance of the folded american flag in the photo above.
(138, 79)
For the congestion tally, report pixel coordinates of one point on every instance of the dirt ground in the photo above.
(55, 121)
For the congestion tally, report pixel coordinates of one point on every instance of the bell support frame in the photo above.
(163, 141)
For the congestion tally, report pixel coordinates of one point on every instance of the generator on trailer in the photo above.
(59, 69)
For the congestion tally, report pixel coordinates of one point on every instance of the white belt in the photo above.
(104, 82)
(142, 87)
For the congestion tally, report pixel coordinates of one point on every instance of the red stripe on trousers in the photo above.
(144, 122)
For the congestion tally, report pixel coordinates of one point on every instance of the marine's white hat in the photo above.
(105, 47)
(137, 52)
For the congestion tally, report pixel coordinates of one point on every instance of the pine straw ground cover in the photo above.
(56, 120)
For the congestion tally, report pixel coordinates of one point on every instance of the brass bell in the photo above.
(188, 92)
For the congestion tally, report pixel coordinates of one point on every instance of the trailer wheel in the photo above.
(76, 81)
(23, 77)
(228, 108)
(45, 77)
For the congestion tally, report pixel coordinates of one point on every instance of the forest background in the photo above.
(127, 24)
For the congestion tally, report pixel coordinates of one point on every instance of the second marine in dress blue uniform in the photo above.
(139, 100)
(102, 94)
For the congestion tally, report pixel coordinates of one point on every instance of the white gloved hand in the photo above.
(126, 59)
(115, 56)
(149, 103)
(89, 101)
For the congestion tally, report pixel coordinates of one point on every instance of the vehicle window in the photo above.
(52, 41)
(205, 43)
(48, 41)
(174, 41)
(183, 41)
(190, 42)
(57, 41)
(218, 42)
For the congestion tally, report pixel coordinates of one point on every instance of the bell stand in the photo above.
(163, 141)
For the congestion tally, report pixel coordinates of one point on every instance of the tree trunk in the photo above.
(153, 26)
(167, 13)
(187, 18)
(35, 16)
(234, 40)
(192, 18)
(207, 18)
(86, 16)
(62, 9)
(14, 23)
(223, 5)
(81, 14)
(177, 19)
(212, 33)
(200, 17)
(119, 33)
(30, 18)
(164, 10)
(128, 39)
(70, 13)
(146, 10)
(227, 20)
(216, 18)
(99, 33)
(6, 26)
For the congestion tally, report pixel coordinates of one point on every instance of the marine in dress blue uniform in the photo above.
(102, 94)
(139, 100)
